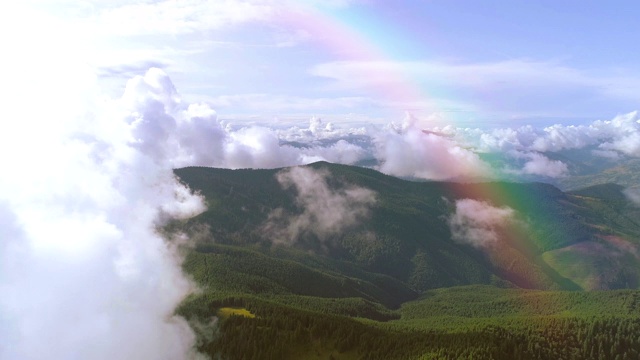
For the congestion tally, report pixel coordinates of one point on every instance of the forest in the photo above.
(396, 285)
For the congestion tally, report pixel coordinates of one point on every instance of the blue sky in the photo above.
(469, 63)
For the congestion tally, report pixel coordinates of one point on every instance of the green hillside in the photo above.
(625, 172)
(396, 284)
(406, 235)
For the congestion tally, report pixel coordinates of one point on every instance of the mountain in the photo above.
(406, 234)
(584, 167)
(357, 251)
(625, 172)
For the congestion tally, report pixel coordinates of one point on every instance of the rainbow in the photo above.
(359, 36)
(336, 34)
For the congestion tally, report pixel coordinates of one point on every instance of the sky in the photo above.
(103, 99)
(477, 64)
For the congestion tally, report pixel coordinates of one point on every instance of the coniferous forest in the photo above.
(396, 284)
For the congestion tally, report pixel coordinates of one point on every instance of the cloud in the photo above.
(258, 147)
(411, 148)
(633, 194)
(479, 223)
(173, 17)
(270, 103)
(84, 269)
(130, 69)
(324, 211)
(411, 152)
(505, 89)
(538, 164)
(618, 134)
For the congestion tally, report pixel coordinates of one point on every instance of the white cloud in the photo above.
(633, 194)
(175, 17)
(86, 183)
(409, 151)
(342, 152)
(538, 164)
(519, 88)
(628, 144)
(619, 134)
(409, 148)
(499, 75)
(324, 211)
(479, 223)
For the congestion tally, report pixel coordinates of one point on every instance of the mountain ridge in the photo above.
(408, 222)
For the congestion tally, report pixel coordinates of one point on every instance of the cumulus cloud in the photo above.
(324, 211)
(161, 17)
(409, 151)
(406, 149)
(479, 223)
(84, 269)
(193, 134)
(538, 164)
(619, 134)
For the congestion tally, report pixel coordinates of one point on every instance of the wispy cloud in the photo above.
(478, 223)
(324, 211)
(175, 17)
(275, 104)
(520, 87)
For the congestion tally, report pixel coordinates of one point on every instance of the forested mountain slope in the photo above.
(406, 232)
(331, 261)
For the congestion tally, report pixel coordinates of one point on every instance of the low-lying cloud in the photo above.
(633, 194)
(478, 223)
(324, 211)
(538, 164)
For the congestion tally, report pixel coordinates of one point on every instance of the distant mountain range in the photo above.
(584, 169)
